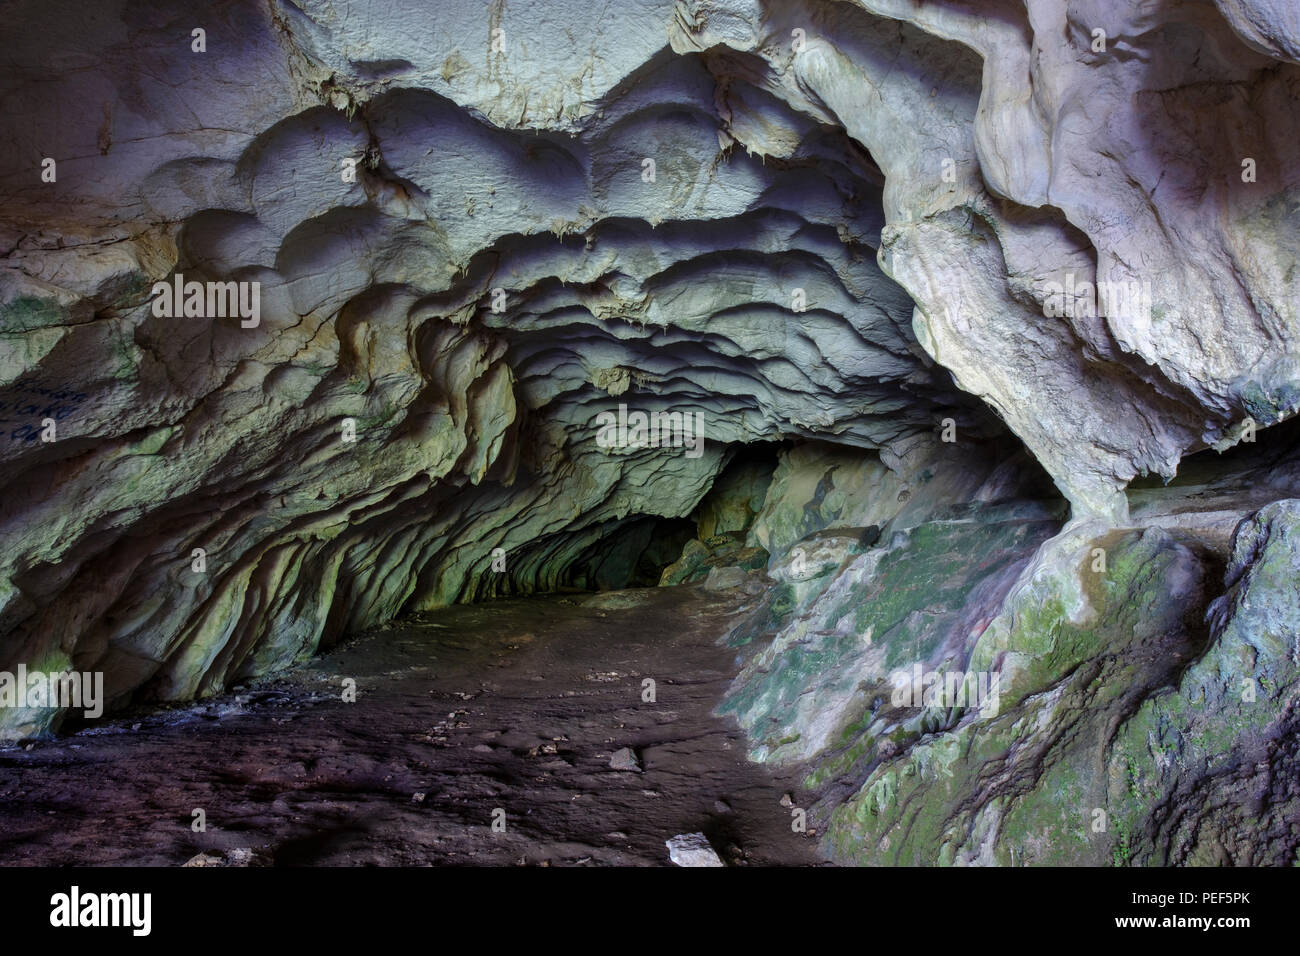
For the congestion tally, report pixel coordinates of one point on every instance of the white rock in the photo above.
(692, 849)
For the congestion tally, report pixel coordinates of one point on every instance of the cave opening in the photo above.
(648, 551)
(372, 522)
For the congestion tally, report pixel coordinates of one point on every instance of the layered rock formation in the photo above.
(924, 281)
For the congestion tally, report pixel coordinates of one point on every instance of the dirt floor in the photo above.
(514, 706)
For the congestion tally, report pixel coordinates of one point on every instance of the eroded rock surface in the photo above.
(889, 270)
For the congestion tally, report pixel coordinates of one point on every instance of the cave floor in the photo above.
(515, 705)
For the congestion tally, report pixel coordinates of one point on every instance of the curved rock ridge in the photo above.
(1072, 165)
(881, 268)
(465, 291)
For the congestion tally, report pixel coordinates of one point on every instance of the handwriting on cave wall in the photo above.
(24, 406)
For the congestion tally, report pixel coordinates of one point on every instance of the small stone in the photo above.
(787, 801)
(721, 806)
(239, 856)
(418, 796)
(692, 849)
(625, 759)
(203, 859)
